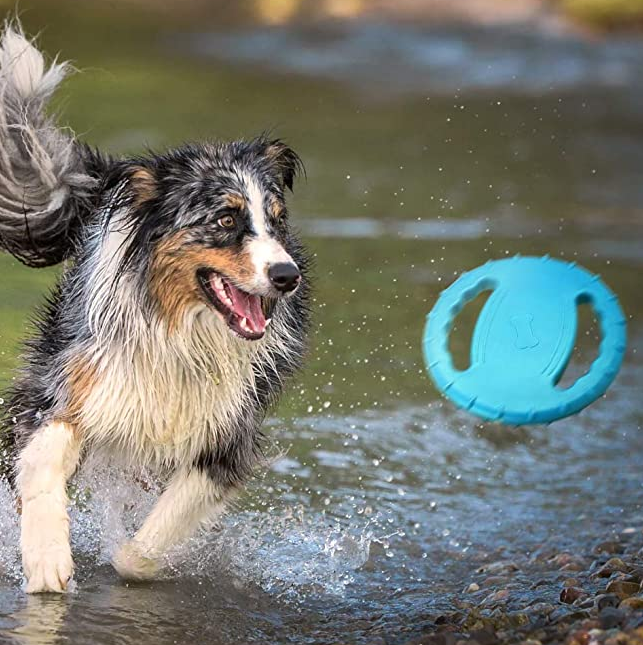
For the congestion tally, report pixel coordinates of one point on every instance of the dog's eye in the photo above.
(227, 221)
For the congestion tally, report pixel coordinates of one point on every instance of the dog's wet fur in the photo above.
(180, 312)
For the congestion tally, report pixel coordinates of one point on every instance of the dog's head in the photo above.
(210, 225)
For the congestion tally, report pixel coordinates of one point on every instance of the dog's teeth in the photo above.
(268, 321)
(218, 283)
(244, 324)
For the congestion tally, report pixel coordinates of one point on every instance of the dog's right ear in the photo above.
(285, 160)
(144, 185)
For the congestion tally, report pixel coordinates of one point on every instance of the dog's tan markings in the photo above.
(173, 278)
(235, 202)
(276, 208)
(81, 379)
(144, 186)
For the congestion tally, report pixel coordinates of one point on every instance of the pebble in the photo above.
(569, 594)
(606, 600)
(635, 575)
(584, 602)
(502, 566)
(563, 616)
(571, 582)
(572, 566)
(609, 546)
(580, 637)
(622, 589)
(632, 603)
(611, 617)
(473, 587)
(495, 581)
(498, 596)
(616, 564)
(541, 608)
(562, 559)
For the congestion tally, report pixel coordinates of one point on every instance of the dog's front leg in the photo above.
(44, 465)
(190, 500)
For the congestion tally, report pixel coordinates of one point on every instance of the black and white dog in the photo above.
(181, 309)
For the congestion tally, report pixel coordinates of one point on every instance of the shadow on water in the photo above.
(429, 151)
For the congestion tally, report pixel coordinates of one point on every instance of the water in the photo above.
(421, 164)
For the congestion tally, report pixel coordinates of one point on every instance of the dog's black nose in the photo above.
(284, 276)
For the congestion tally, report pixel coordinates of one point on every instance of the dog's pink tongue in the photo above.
(248, 307)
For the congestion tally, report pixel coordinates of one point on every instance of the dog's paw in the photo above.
(46, 554)
(48, 569)
(131, 562)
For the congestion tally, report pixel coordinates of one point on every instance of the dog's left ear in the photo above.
(143, 183)
(285, 160)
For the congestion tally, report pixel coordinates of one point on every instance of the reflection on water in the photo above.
(387, 499)
(39, 620)
(369, 55)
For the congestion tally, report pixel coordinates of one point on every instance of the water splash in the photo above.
(291, 554)
(287, 552)
(10, 531)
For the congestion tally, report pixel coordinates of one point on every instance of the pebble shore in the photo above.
(592, 598)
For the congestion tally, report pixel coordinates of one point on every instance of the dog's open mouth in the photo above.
(244, 313)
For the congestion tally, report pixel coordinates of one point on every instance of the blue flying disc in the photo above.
(523, 340)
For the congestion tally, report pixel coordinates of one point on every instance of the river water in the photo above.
(429, 151)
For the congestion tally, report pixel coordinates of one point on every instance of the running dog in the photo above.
(181, 310)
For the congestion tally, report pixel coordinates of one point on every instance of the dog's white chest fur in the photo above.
(169, 398)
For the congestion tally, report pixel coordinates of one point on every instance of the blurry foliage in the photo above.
(606, 13)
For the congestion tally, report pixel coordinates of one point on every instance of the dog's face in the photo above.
(215, 223)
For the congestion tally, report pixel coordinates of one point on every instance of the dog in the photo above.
(181, 311)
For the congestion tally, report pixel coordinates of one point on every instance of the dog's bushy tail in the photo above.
(46, 180)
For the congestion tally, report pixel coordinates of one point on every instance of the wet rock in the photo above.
(602, 572)
(598, 563)
(584, 602)
(632, 603)
(518, 619)
(498, 596)
(571, 582)
(562, 560)
(565, 617)
(616, 564)
(635, 575)
(543, 608)
(570, 594)
(495, 581)
(435, 639)
(606, 600)
(474, 586)
(609, 546)
(580, 637)
(614, 567)
(619, 638)
(608, 570)
(502, 566)
(611, 617)
(622, 589)
(573, 566)
(483, 637)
